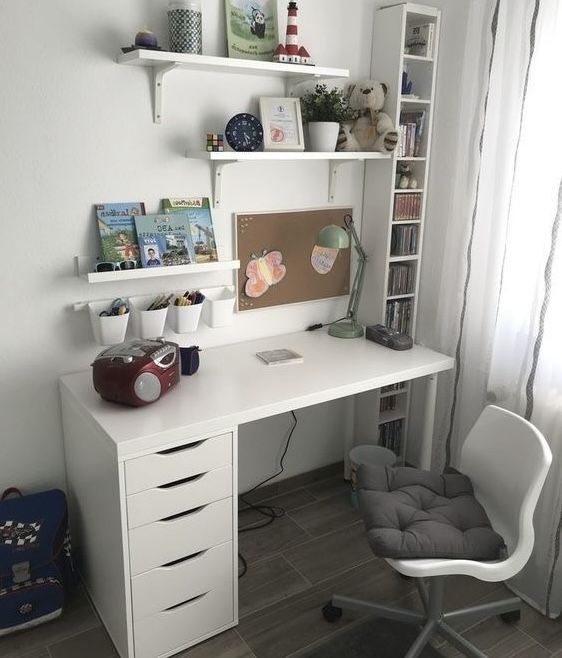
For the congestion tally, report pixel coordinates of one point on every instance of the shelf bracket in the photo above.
(333, 174)
(217, 180)
(293, 82)
(158, 80)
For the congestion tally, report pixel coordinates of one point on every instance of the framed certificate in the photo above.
(282, 124)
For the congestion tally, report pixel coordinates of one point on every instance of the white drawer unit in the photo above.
(182, 625)
(164, 587)
(160, 502)
(170, 539)
(158, 531)
(190, 458)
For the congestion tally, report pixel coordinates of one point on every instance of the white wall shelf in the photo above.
(162, 62)
(219, 159)
(390, 416)
(407, 295)
(418, 58)
(414, 101)
(401, 259)
(85, 264)
(398, 391)
(416, 190)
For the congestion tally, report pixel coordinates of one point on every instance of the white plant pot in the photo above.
(108, 329)
(323, 135)
(218, 307)
(147, 324)
(184, 319)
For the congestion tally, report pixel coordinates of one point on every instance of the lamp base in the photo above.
(347, 329)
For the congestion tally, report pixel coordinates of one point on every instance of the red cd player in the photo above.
(137, 372)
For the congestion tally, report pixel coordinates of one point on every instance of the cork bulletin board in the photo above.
(291, 279)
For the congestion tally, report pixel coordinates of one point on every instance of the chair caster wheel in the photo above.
(511, 617)
(331, 613)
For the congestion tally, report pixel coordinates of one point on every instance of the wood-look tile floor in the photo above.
(294, 565)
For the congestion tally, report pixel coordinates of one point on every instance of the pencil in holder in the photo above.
(147, 324)
(107, 329)
(184, 319)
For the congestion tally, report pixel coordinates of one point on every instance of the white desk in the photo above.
(120, 480)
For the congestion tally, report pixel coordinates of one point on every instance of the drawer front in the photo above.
(177, 463)
(174, 628)
(164, 587)
(156, 544)
(154, 504)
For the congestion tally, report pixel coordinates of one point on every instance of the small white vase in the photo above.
(323, 135)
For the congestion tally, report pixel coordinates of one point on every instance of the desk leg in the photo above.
(428, 421)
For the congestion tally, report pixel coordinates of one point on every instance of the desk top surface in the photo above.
(234, 386)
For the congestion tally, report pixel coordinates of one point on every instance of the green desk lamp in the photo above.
(337, 237)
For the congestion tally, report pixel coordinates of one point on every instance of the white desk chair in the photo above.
(507, 460)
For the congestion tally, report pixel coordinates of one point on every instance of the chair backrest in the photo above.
(507, 459)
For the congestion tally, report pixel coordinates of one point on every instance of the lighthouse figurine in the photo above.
(291, 53)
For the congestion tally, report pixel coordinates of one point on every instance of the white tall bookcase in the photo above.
(389, 59)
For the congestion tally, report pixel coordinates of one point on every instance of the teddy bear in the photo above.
(405, 177)
(373, 130)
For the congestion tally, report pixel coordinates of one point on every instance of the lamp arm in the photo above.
(357, 242)
(356, 289)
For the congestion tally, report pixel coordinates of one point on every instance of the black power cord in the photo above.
(314, 327)
(270, 511)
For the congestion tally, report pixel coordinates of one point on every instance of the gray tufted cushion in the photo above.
(410, 513)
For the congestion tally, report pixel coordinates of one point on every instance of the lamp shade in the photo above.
(333, 237)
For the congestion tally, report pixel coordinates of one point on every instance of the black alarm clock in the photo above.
(244, 132)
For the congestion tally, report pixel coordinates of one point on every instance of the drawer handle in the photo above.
(185, 603)
(174, 517)
(177, 483)
(180, 560)
(189, 446)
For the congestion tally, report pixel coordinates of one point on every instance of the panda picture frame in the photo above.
(251, 29)
(282, 124)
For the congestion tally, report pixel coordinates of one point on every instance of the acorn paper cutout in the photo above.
(263, 272)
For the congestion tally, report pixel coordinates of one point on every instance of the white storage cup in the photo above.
(218, 307)
(184, 319)
(147, 324)
(108, 329)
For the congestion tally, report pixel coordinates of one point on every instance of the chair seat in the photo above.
(410, 513)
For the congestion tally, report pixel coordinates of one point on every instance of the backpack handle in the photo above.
(9, 491)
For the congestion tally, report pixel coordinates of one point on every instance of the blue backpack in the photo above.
(35, 562)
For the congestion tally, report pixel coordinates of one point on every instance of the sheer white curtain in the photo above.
(499, 301)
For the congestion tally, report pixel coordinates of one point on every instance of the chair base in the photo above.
(434, 619)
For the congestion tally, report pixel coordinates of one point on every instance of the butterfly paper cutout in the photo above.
(264, 271)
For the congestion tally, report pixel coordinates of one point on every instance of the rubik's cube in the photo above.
(215, 142)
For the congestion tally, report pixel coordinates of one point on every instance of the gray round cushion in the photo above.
(410, 513)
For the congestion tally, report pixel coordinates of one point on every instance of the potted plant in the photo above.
(323, 110)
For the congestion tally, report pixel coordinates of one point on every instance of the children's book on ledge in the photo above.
(116, 226)
(198, 210)
(164, 239)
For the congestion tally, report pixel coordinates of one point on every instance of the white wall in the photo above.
(76, 129)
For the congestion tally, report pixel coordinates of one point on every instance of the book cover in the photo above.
(198, 210)
(164, 240)
(116, 226)
(419, 39)
(251, 28)
(279, 357)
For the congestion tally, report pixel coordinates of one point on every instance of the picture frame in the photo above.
(251, 29)
(282, 124)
